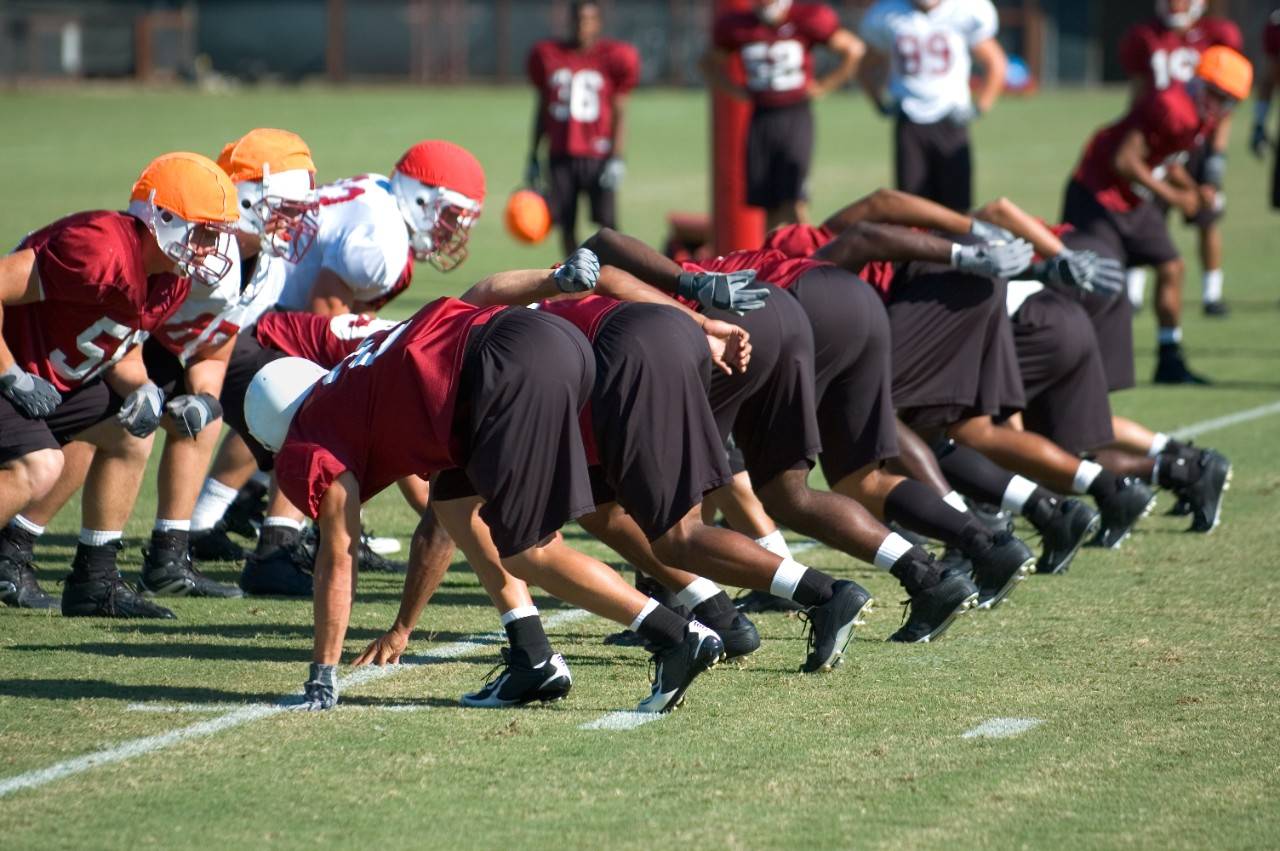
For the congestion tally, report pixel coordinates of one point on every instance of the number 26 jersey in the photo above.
(578, 88)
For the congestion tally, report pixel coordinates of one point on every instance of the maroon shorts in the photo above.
(935, 162)
(659, 447)
(953, 351)
(525, 376)
(779, 150)
(1062, 373)
(1139, 237)
(82, 408)
(769, 410)
(853, 377)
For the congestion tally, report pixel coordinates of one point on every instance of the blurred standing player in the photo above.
(1266, 85)
(1162, 52)
(927, 48)
(582, 85)
(775, 42)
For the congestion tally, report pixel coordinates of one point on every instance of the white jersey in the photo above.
(362, 238)
(929, 52)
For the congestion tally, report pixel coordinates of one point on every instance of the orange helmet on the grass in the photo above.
(275, 179)
(1226, 70)
(528, 217)
(189, 205)
(440, 188)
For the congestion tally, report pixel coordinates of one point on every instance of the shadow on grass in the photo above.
(102, 689)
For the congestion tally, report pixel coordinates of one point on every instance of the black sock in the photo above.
(972, 473)
(528, 640)
(1040, 506)
(95, 562)
(919, 509)
(17, 539)
(170, 540)
(814, 588)
(663, 627)
(916, 571)
(1104, 485)
(717, 612)
(273, 537)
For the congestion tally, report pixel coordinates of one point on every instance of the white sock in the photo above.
(1085, 474)
(1158, 443)
(1136, 285)
(1016, 494)
(644, 613)
(1165, 336)
(787, 578)
(98, 538)
(520, 612)
(698, 591)
(283, 523)
(891, 549)
(27, 526)
(172, 525)
(956, 501)
(775, 543)
(262, 478)
(215, 499)
(1212, 283)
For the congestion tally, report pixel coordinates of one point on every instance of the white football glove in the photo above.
(579, 272)
(140, 413)
(612, 174)
(993, 259)
(320, 691)
(34, 397)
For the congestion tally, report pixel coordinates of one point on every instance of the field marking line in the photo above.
(214, 708)
(1002, 728)
(623, 719)
(246, 714)
(804, 546)
(1206, 426)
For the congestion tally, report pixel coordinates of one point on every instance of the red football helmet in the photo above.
(440, 189)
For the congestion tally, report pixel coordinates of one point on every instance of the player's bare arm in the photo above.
(715, 66)
(330, 295)
(532, 170)
(865, 242)
(1268, 80)
(895, 207)
(339, 522)
(1011, 217)
(850, 49)
(19, 284)
(1131, 164)
(520, 286)
(873, 77)
(990, 55)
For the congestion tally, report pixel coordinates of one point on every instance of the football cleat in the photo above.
(283, 571)
(245, 514)
(740, 639)
(999, 568)
(995, 518)
(1171, 368)
(624, 638)
(1216, 309)
(370, 561)
(106, 595)
(1121, 510)
(215, 545)
(1180, 508)
(1073, 523)
(512, 684)
(758, 602)
(676, 667)
(18, 585)
(382, 546)
(933, 610)
(1204, 495)
(830, 625)
(171, 574)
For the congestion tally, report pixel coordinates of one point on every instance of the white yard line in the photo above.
(246, 714)
(621, 720)
(1002, 728)
(1206, 426)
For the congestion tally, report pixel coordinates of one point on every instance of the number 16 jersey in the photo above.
(578, 88)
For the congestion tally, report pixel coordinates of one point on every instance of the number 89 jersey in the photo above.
(929, 51)
(1161, 57)
(578, 88)
(777, 60)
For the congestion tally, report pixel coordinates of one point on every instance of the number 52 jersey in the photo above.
(578, 88)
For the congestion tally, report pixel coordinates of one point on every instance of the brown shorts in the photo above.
(80, 409)
(934, 161)
(1062, 373)
(953, 351)
(247, 357)
(525, 377)
(853, 377)
(769, 409)
(1139, 237)
(779, 150)
(659, 447)
(1112, 318)
(570, 177)
(164, 369)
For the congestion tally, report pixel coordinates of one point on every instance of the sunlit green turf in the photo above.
(1155, 669)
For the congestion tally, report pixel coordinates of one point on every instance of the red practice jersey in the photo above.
(1161, 57)
(771, 265)
(578, 88)
(778, 60)
(386, 411)
(1171, 125)
(98, 301)
(802, 240)
(325, 340)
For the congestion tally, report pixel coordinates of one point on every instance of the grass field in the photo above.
(1155, 670)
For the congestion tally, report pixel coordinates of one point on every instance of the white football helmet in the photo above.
(204, 252)
(1180, 20)
(275, 394)
(773, 12)
(281, 211)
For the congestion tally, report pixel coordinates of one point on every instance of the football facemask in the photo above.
(1179, 20)
(439, 220)
(204, 252)
(281, 210)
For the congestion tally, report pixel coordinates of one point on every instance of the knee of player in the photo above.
(37, 472)
(674, 545)
(781, 494)
(1171, 269)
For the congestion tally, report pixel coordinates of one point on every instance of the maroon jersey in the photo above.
(1271, 35)
(98, 301)
(1161, 57)
(325, 340)
(578, 88)
(778, 61)
(386, 411)
(802, 240)
(771, 265)
(1171, 125)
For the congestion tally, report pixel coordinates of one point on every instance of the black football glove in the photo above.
(723, 290)
(34, 397)
(193, 411)
(140, 414)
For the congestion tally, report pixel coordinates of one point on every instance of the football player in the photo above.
(1267, 82)
(917, 71)
(1163, 52)
(774, 42)
(582, 85)
(79, 297)
(1130, 167)
(493, 393)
